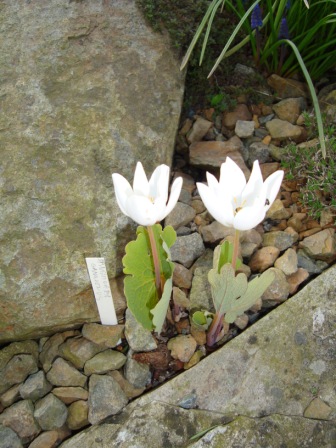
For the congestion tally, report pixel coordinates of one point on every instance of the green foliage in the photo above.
(202, 319)
(233, 295)
(317, 175)
(312, 30)
(139, 284)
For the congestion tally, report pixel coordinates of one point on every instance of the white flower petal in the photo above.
(249, 217)
(141, 210)
(254, 184)
(122, 190)
(232, 179)
(220, 209)
(159, 182)
(272, 186)
(140, 181)
(173, 197)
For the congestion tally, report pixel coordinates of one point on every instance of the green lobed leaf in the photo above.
(233, 295)
(139, 283)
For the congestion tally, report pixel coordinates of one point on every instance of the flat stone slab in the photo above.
(272, 385)
(279, 365)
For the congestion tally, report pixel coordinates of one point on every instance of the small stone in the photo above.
(63, 373)
(288, 262)
(79, 350)
(283, 130)
(199, 129)
(318, 410)
(129, 390)
(138, 338)
(187, 249)
(103, 335)
(278, 211)
(258, 151)
(305, 262)
(296, 279)
(180, 299)
(198, 334)
(78, 415)
(279, 239)
(241, 112)
(10, 396)
(20, 418)
(290, 109)
(137, 373)
(200, 293)
(17, 370)
(244, 129)
(278, 291)
(104, 361)
(36, 386)
(195, 359)
(320, 246)
(185, 196)
(215, 232)
(50, 412)
(70, 394)
(105, 398)
(182, 347)
(9, 438)
(48, 439)
(288, 87)
(182, 277)
(50, 347)
(292, 233)
(198, 206)
(213, 153)
(188, 402)
(263, 258)
(242, 321)
(247, 249)
(181, 215)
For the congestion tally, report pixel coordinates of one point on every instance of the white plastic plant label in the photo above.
(102, 291)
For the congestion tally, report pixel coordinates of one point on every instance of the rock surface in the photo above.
(76, 78)
(262, 385)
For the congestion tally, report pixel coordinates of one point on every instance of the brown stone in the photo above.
(263, 258)
(182, 277)
(241, 112)
(288, 88)
(295, 280)
(104, 335)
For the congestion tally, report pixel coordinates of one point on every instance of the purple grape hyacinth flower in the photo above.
(283, 30)
(256, 18)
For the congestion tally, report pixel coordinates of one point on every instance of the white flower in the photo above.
(235, 203)
(147, 203)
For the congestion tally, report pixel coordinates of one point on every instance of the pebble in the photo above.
(62, 373)
(320, 246)
(187, 249)
(288, 262)
(50, 412)
(281, 240)
(278, 291)
(215, 232)
(35, 387)
(137, 373)
(264, 258)
(106, 398)
(258, 151)
(199, 129)
(295, 280)
(244, 129)
(9, 438)
(78, 350)
(290, 109)
(70, 394)
(283, 130)
(181, 215)
(78, 415)
(182, 347)
(104, 361)
(138, 338)
(50, 348)
(20, 418)
(182, 277)
(200, 293)
(103, 335)
(241, 112)
(10, 396)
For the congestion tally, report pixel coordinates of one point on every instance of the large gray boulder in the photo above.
(86, 89)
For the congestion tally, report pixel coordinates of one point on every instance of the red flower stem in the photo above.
(156, 260)
(235, 249)
(215, 329)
